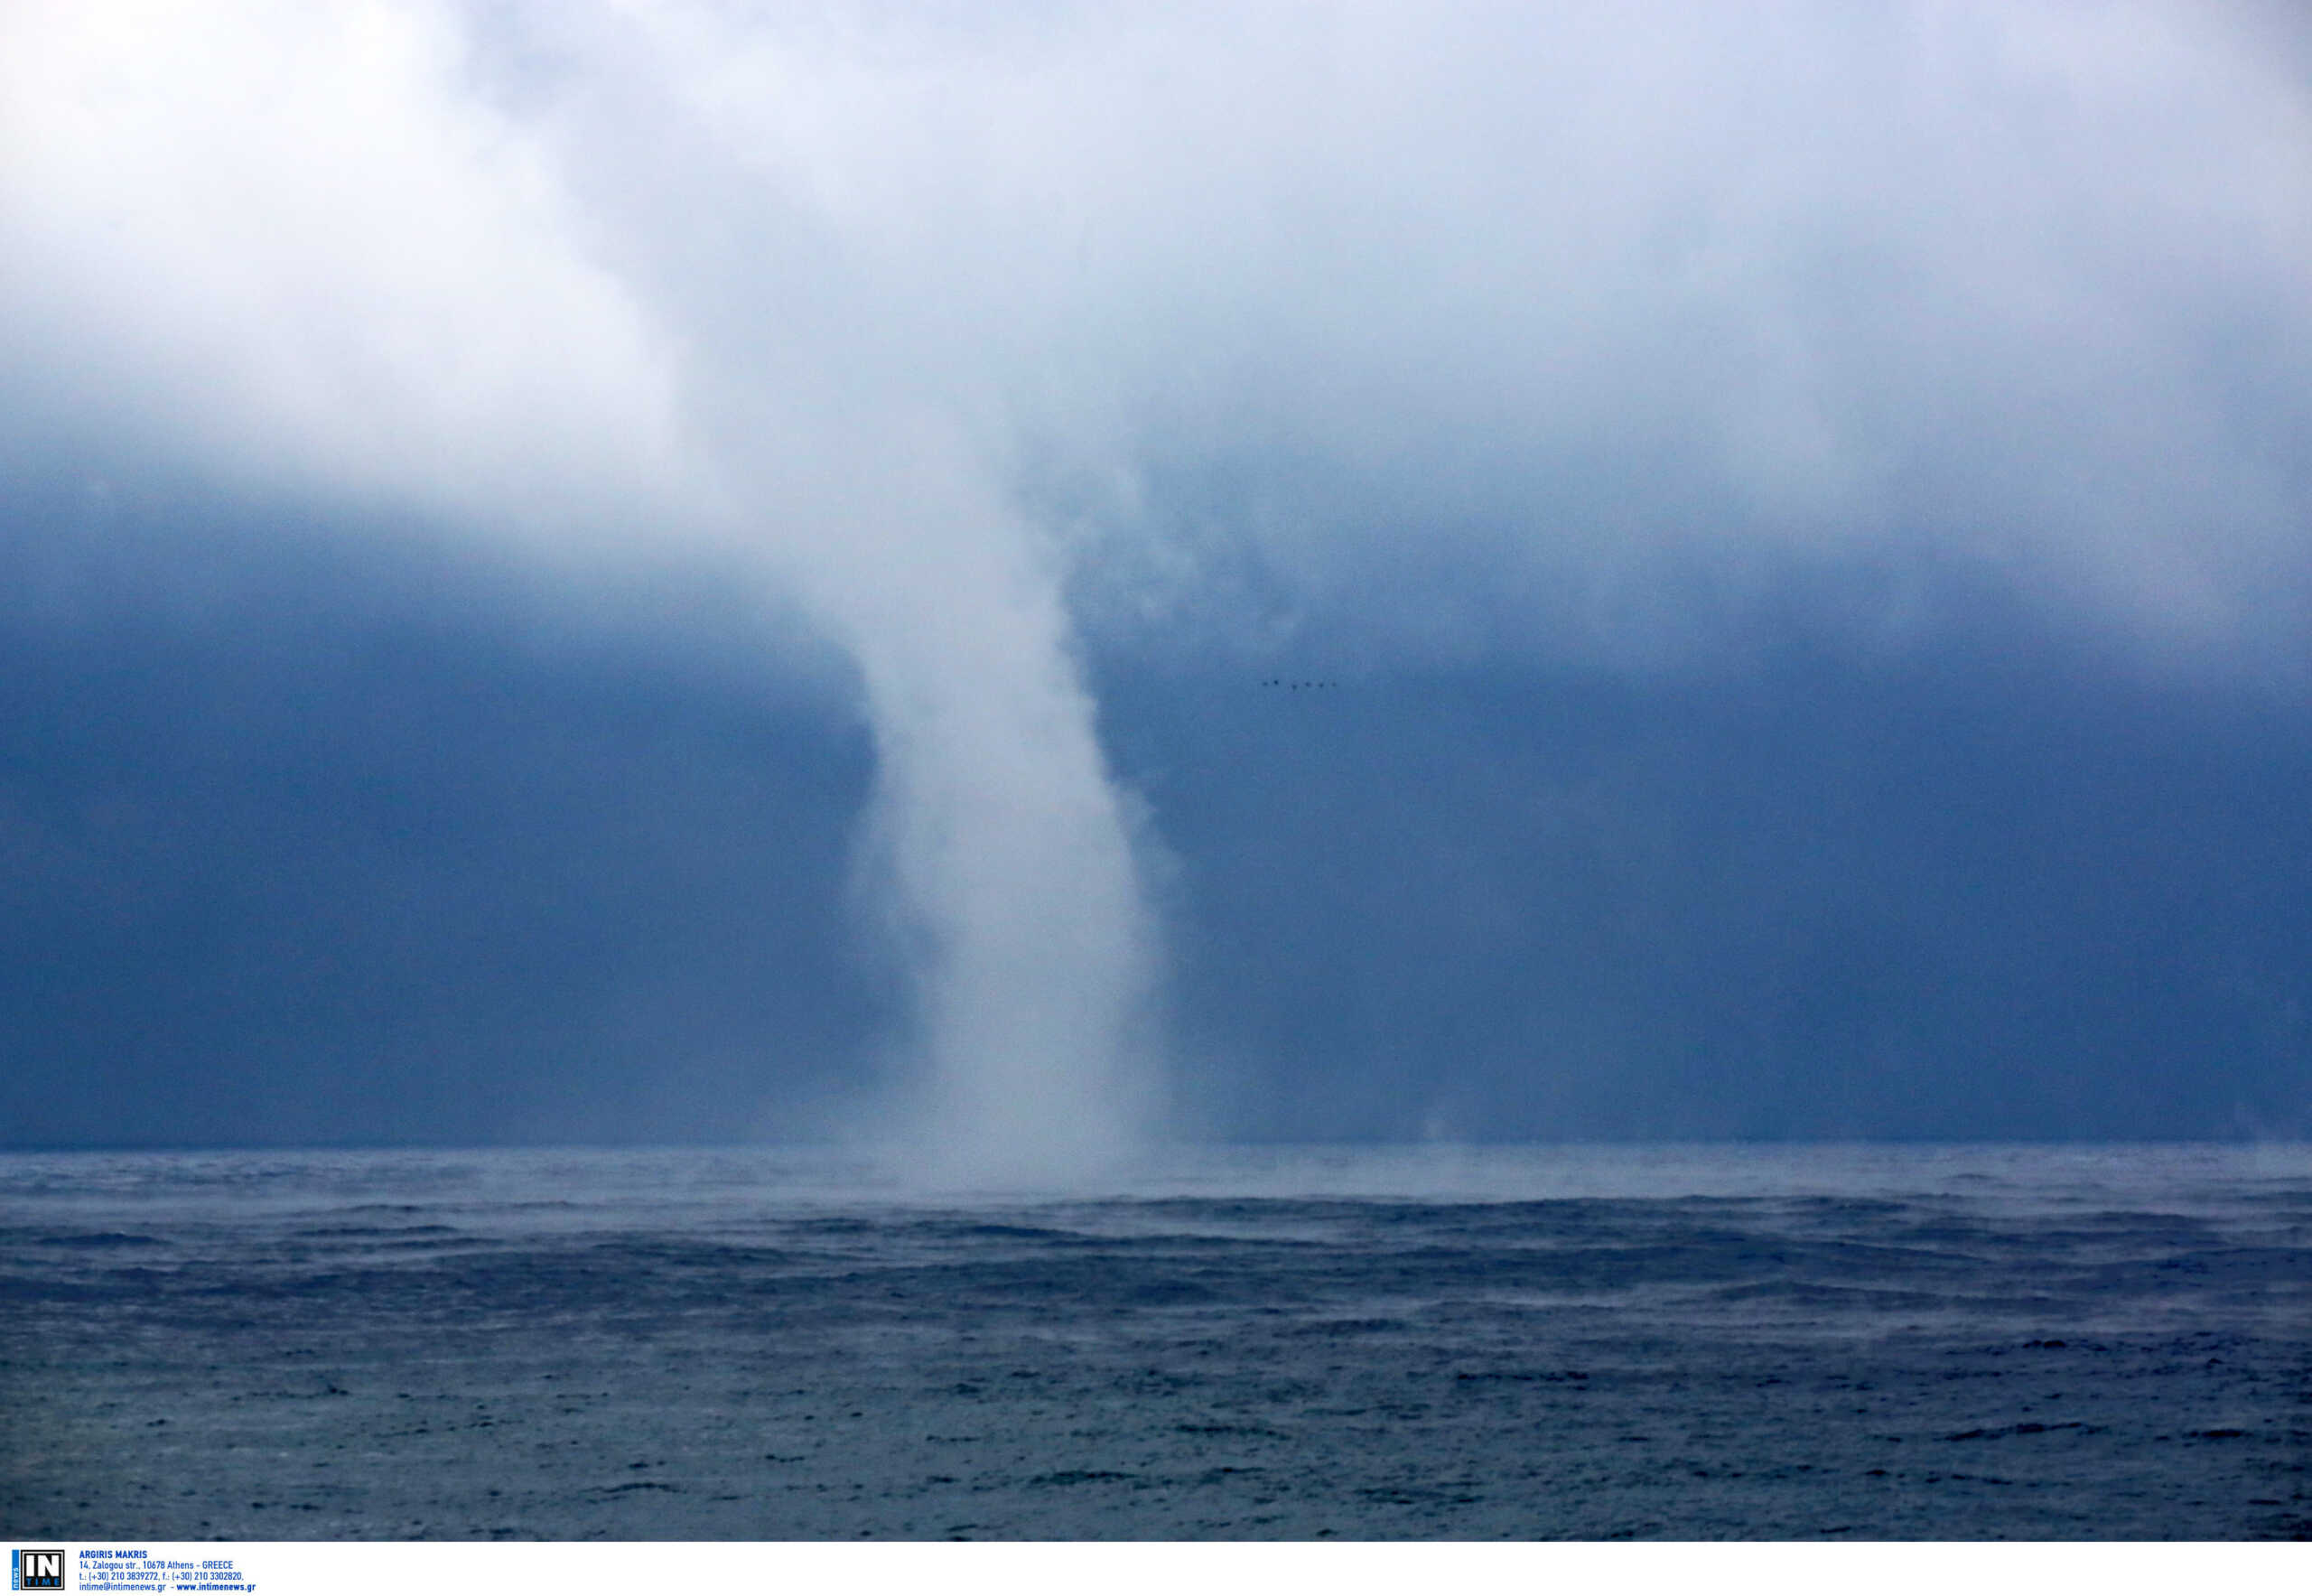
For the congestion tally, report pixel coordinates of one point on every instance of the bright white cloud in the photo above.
(289, 242)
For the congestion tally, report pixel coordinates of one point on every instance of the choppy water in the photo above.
(1943, 1342)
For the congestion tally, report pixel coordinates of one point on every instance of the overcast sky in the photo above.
(592, 572)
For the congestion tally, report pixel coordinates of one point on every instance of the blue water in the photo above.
(1532, 1342)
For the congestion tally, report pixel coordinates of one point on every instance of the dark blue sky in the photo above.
(588, 573)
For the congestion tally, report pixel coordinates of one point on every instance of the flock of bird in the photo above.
(1295, 686)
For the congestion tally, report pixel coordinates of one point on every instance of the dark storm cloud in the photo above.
(1978, 891)
(315, 840)
(1555, 382)
(388, 848)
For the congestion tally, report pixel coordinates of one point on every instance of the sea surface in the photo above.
(1596, 1342)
